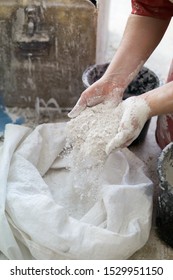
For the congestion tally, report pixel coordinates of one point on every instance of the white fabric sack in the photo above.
(43, 217)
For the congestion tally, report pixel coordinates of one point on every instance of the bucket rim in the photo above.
(94, 66)
(164, 184)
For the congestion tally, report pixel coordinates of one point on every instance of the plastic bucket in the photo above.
(145, 80)
(164, 220)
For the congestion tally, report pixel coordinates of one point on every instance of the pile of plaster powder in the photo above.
(88, 134)
(91, 131)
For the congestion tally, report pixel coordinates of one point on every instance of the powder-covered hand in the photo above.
(99, 92)
(135, 112)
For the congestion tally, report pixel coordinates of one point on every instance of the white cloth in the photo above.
(37, 195)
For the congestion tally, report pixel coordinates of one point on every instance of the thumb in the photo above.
(116, 143)
(78, 108)
(122, 140)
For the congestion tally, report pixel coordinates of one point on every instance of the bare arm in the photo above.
(160, 100)
(142, 35)
(136, 110)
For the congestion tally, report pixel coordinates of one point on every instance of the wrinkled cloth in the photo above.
(37, 195)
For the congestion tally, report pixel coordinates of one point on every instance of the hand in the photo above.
(99, 92)
(135, 112)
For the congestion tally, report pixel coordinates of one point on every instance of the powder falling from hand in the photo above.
(91, 131)
(88, 134)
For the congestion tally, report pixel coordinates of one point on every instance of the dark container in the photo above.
(164, 219)
(145, 80)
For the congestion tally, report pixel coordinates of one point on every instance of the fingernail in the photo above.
(72, 114)
(75, 111)
(78, 108)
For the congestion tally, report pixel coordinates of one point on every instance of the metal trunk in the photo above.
(45, 46)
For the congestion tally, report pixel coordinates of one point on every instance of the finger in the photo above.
(78, 108)
(115, 143)
(122, 140)
(128, 142)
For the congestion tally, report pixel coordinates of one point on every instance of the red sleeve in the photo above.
(162, 9)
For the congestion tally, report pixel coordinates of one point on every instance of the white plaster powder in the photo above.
(90, 133)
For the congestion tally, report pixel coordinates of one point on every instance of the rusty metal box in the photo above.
(45, 45)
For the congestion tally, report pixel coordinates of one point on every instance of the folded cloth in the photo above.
(43, 215)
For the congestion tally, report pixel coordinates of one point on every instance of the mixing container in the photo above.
(145, 80)
(165, 199)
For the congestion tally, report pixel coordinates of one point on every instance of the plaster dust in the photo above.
(88, 137)
(93, 130)
(169, 175)
(165, 167)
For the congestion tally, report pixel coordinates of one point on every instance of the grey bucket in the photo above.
(164, 219)
(145, 80)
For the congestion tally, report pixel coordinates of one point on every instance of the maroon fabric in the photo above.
(162, 9)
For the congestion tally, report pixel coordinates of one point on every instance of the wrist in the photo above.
(113, 85)
(160, 100)
(115, 80)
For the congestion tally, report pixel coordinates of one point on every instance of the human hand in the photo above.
(101, 91)
(135, 112)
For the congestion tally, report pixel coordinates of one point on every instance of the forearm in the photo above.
(160, 100)
(141, 37)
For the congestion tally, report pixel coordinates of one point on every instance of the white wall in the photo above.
(112, 20)
(102, 30)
